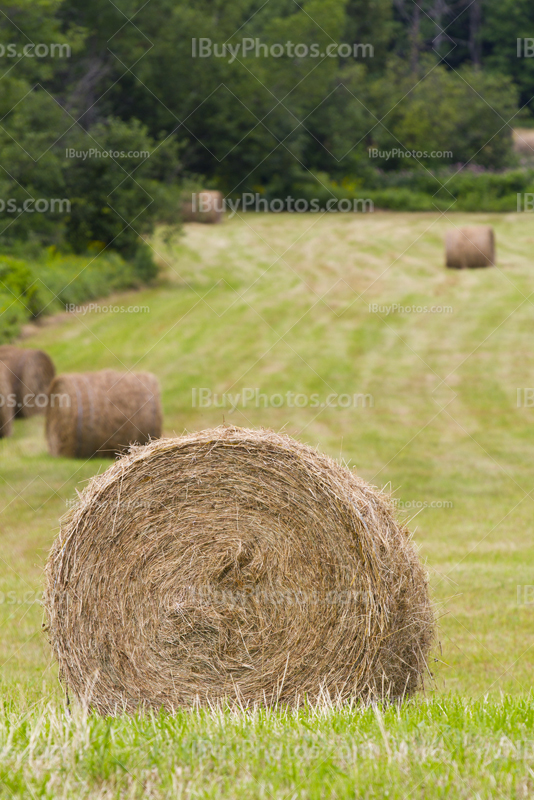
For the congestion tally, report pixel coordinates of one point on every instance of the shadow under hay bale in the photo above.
(31, 373)
(102, 413)
(6, 409)
(234, 564)
(205, 207)
(470, 247)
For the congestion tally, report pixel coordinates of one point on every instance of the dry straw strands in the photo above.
(234, 564)
(470, 247)
(212, 201)
(6, 410)
(102, 413)
(31, 372)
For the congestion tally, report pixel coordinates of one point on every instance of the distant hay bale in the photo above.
(102, 413)
(31, 373)
(524, 141)
(205, 207)
(470, 247)
(6, 409)
(234, 564)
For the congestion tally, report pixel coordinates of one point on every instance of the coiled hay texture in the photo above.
(470, 247)
(234, 564)
(31, 373)
(102, 413)
(6, 409)
(205, 207)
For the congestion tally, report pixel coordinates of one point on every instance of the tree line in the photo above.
(245, 113)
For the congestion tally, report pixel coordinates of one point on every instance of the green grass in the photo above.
(281, 303)
(439, 749)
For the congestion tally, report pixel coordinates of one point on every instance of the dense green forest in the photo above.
(110, 111)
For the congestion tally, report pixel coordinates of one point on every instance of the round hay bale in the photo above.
(470, 247)
(207, 206)
(102, 413)
(523, 139)
(32, 372)
(234, 564)
(6, 409)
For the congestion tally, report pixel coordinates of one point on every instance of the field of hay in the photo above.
(431, 361)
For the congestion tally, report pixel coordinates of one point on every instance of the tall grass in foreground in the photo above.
(427, 748)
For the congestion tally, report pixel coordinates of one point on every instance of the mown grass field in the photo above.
(283, 303)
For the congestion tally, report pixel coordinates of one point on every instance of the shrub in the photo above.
(78, 279)
(423, 190)
(29, 288)
(12, 315)
(20, 282)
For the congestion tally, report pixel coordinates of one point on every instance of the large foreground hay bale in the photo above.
(31, 373)
(6, 409)
(237, 564)
(102, 413)
(472, 246)
(207, 206)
